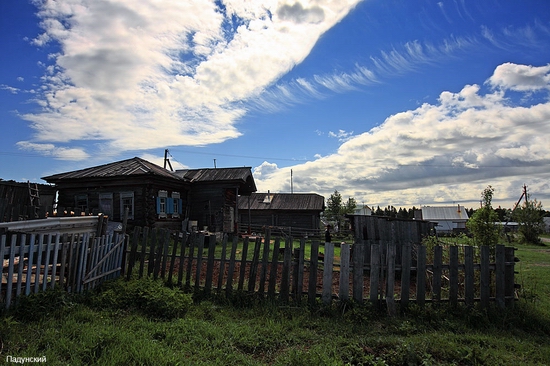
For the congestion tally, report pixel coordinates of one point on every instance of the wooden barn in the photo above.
(299, 211)
(24, 201)
(153, 195)
(213, 196)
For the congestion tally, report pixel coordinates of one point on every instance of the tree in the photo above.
(483, 223)
(529, 216)
(337, 209)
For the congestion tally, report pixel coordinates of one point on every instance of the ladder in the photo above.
(34, 197)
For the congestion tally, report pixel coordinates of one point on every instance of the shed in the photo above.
(448, 219)
(300, 211)
(214, 193)
(153, 195)
(16, 202)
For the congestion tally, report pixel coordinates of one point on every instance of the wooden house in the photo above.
(299, 211)
(153, 195)
(156, 196)
(213, 196)
(447, 219)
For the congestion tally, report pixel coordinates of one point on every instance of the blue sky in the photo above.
(396, 102)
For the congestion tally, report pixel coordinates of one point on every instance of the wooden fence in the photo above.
(363, 272)
(74, 261)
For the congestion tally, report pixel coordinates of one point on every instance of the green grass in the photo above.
(143, 322)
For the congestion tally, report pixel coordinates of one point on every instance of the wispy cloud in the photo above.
(439, 152)
(139, 75)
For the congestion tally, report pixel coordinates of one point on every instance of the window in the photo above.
(127, 201)
(80, 203)
(162, 204)
(106, 204)
(175, 208)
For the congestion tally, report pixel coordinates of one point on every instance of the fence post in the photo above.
(509, 275)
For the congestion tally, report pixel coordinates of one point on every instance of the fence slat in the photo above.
(314, 261)
(265, 262)
(22, 243)
(326, 295)
(343, 291)
(184, 239)
(192, 244)
(375, 253)
(469, 275)
(437, 272)
(166, 245)
(222, 264)
(453, 275)
(285, 274)
(200, 249)
(509, 258)
(29, 264)
(242, 271)
(485, 277)
(231, 269)
(210, 263)
(55, 257)
(144, 241)
(254, 265)
(500, 261)
(358, 272)
(405, 275)
(421, 276)
(390, 278)
(273, 270)
(10, 270)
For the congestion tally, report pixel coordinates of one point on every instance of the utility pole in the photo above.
(166, 160)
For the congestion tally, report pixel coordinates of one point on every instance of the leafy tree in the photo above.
(483, 223)
(529, 216)
(337, 209)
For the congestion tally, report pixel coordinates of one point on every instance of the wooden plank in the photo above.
(469, 275)
(222, 263)
(54, 262)
(265, 262)
(343, 290)
(166, 246)
(485, 277)
(326, 296)
(133, 252)
(94, 259)
(500, 262)
(314, 261)
(405, 275)
(38, 262)
(30, 265)
(11, 261)
(273, 270)
(453, 275)
(358, 272)
(47, 262)
(231, 269)
(152, 247)
(144, 242)
(184, 238)
(210, 263)
(437, 272)
(390, 278)
(159, 251)
(421, 276)
(509, 257)
(242, 271)
(254, 265)
(64, 256)
(3, 240)
(300, 272)
(22, 243)
(192, 244)
(285, 274)
(173, 258)
(200, 249)
(374, 273)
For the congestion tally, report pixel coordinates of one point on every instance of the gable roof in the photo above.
(130, 167)
(283, 201)
(242, 176)
(444, 213)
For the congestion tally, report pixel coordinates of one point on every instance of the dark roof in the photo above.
(129, 167)
(242, 176)
(283, 201)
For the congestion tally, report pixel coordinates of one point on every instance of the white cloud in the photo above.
(141, 75)
(442, 152)
(61, 153)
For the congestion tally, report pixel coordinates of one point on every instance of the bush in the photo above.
(150, 297)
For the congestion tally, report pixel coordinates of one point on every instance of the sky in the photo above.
(391, 102)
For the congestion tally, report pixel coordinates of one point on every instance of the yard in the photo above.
(145, 323)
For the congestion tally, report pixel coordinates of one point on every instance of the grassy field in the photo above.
(146, 323)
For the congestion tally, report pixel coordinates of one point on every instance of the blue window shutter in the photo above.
(169, 205)
(180, 206)
(158, 205)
